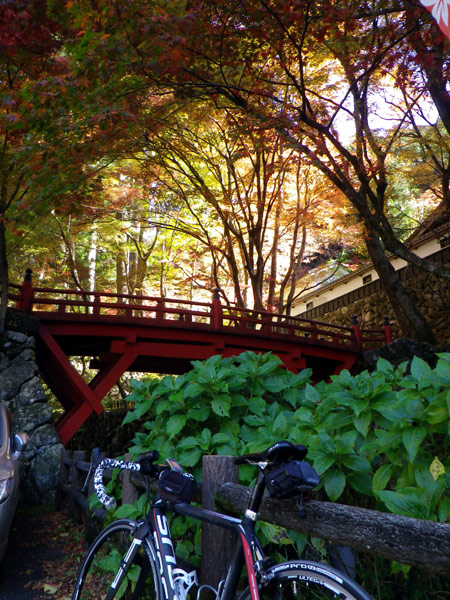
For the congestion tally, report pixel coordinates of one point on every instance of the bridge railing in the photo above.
(105, 305)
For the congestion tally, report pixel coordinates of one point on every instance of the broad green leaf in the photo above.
(322, 462)
(280, 425)
(334, 483)
(384, 366)
(311, 393)
(175, 424)
(444, 510)
(420, 369)
(361, 482)
(382, 477)
(356, 463)
(362, 422)
(412, 439)
(221, 406)
(190, 458)
(200, 413)
(126, 511)
(303, 414)
(193, 390)
(274, 384)
(409, 505)
(257, 405)
(220, 438)
(291, 395)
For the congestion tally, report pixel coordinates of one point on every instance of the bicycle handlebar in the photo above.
(108, 501)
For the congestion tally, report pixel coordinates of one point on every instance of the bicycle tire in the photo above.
(102, 563)
(306, 580)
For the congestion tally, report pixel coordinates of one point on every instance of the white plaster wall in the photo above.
(353, 281)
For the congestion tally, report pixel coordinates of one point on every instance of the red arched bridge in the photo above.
(121, 332)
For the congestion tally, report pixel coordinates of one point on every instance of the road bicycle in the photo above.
(136, 559)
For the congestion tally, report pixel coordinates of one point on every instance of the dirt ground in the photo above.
(43, 556)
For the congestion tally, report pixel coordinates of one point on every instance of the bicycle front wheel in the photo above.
(98, 576)
(306, 580)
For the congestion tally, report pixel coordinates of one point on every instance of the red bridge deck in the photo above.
(160, 335)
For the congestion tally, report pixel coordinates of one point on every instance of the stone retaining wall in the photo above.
(23, 394)
(431, 293)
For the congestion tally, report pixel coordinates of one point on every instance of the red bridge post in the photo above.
(25, 302)
(216, 311)
(357, 332)
(387, 331)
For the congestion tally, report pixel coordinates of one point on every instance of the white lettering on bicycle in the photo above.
(165, 552)
(310, 567)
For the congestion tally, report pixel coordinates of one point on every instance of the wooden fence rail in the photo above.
(419, 543)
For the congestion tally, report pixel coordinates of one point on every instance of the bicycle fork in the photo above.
(138, 536)
(175, 582)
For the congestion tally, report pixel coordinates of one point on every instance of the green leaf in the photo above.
(322, 462)
(362, 422)
(274, 384)
(420, 369)
(311, 394)
(382, 477)
(221, 406)
(409, 505)
(356, 463)
(189, 458)
(384, 366)
(220, 438)
(412, 439)
(280, 425)
(291, 395)
(175, 424)
(361, 482)
(193, 390)
(200, 413)
(334, 483)
(444, 510)
(257, 405)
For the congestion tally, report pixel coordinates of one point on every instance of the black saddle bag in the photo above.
(291, 479)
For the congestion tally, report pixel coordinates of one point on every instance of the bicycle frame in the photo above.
(247, 551)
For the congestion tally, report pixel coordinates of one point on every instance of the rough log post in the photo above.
(129, 491)
(422, 544)
(76, 483)
(217, 543)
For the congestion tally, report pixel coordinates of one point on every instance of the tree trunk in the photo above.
(411, 321)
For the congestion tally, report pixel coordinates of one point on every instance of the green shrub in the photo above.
(378, 439)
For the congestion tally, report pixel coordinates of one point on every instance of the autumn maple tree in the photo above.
(241, 195)
(338, 84)
(308, 71)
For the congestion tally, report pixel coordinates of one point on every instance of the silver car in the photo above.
(11, 447)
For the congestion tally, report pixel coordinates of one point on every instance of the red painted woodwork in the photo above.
(161, 335)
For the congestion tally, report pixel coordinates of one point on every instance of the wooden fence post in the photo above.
(76, 483)
(129, 491)
(217, 543)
